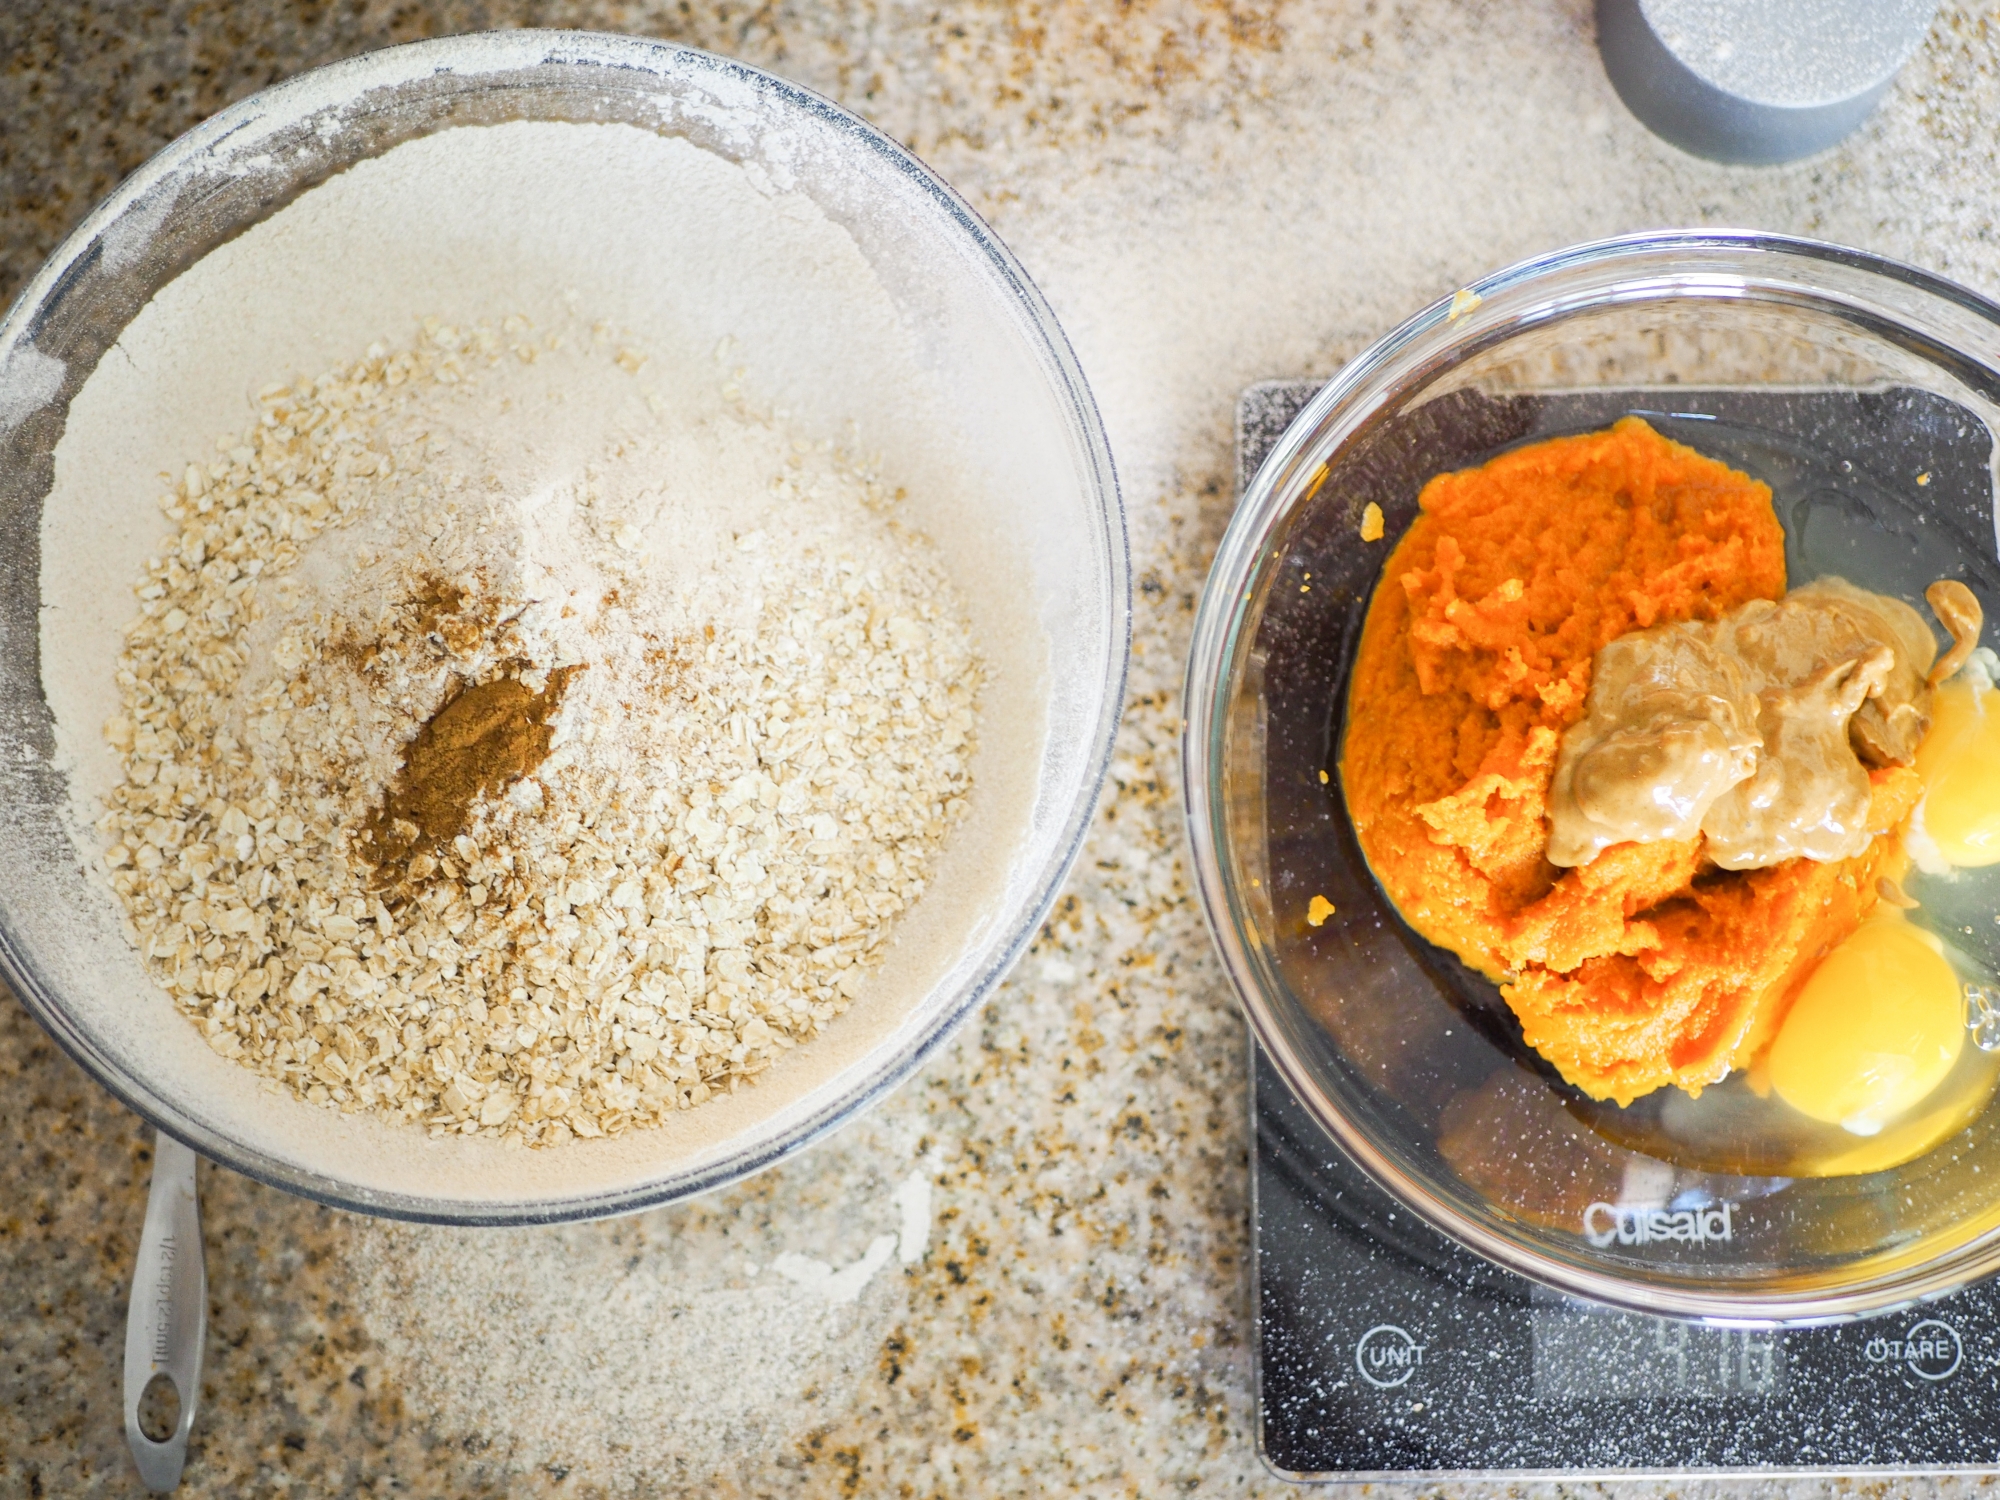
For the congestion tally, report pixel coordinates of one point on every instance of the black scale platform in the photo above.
(1385, 1351)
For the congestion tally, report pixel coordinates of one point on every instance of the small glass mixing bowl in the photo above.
(1010, 393)
(1867, 394)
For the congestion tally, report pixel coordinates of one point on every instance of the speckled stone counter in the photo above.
(1211, 192)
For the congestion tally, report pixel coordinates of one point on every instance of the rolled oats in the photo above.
(728, 819)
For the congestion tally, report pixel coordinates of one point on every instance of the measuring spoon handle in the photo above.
(168, 1318)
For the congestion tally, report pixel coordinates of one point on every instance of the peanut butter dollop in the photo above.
(1756, 730)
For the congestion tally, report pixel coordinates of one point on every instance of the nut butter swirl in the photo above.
(1756, 730)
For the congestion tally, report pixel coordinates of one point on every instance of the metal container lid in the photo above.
(1756, 81)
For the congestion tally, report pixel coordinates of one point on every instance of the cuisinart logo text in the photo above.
(1605, 1223)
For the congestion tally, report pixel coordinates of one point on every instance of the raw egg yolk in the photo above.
(1876, 1027)
(1959, 762)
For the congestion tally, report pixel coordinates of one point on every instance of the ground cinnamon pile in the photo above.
(483, 740)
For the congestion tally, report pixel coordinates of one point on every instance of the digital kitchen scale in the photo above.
(1385, 1351)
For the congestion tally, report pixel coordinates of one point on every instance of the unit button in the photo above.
(1930, 1350)
(1387, 1356)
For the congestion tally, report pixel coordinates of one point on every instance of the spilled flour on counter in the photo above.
(508, 750)
(650, 1350)
(912, 1200)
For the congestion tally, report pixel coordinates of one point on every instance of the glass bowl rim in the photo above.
(1356, 390)
(491, 58)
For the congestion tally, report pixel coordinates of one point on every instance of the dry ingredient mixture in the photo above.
(520, 786)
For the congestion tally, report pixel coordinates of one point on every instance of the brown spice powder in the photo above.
(437, 608)
(483, 740)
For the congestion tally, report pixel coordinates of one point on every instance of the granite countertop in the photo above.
(1211, 192)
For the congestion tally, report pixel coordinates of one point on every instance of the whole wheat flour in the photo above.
(510, 749)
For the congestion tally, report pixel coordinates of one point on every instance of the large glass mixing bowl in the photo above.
(1007, 389)
(1867, 394)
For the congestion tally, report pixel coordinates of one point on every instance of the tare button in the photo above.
(1930, 1350)
(1387, 1356)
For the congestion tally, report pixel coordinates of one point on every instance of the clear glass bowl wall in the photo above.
(984, 334)
(1850, 374)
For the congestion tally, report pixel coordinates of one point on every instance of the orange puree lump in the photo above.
(1648, 966)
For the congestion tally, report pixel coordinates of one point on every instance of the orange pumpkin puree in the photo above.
(1648, 966)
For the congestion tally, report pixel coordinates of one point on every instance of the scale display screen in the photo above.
(1595, 1354)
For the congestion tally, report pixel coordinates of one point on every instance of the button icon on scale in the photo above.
(1387, 1356)
(1931, 1350)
